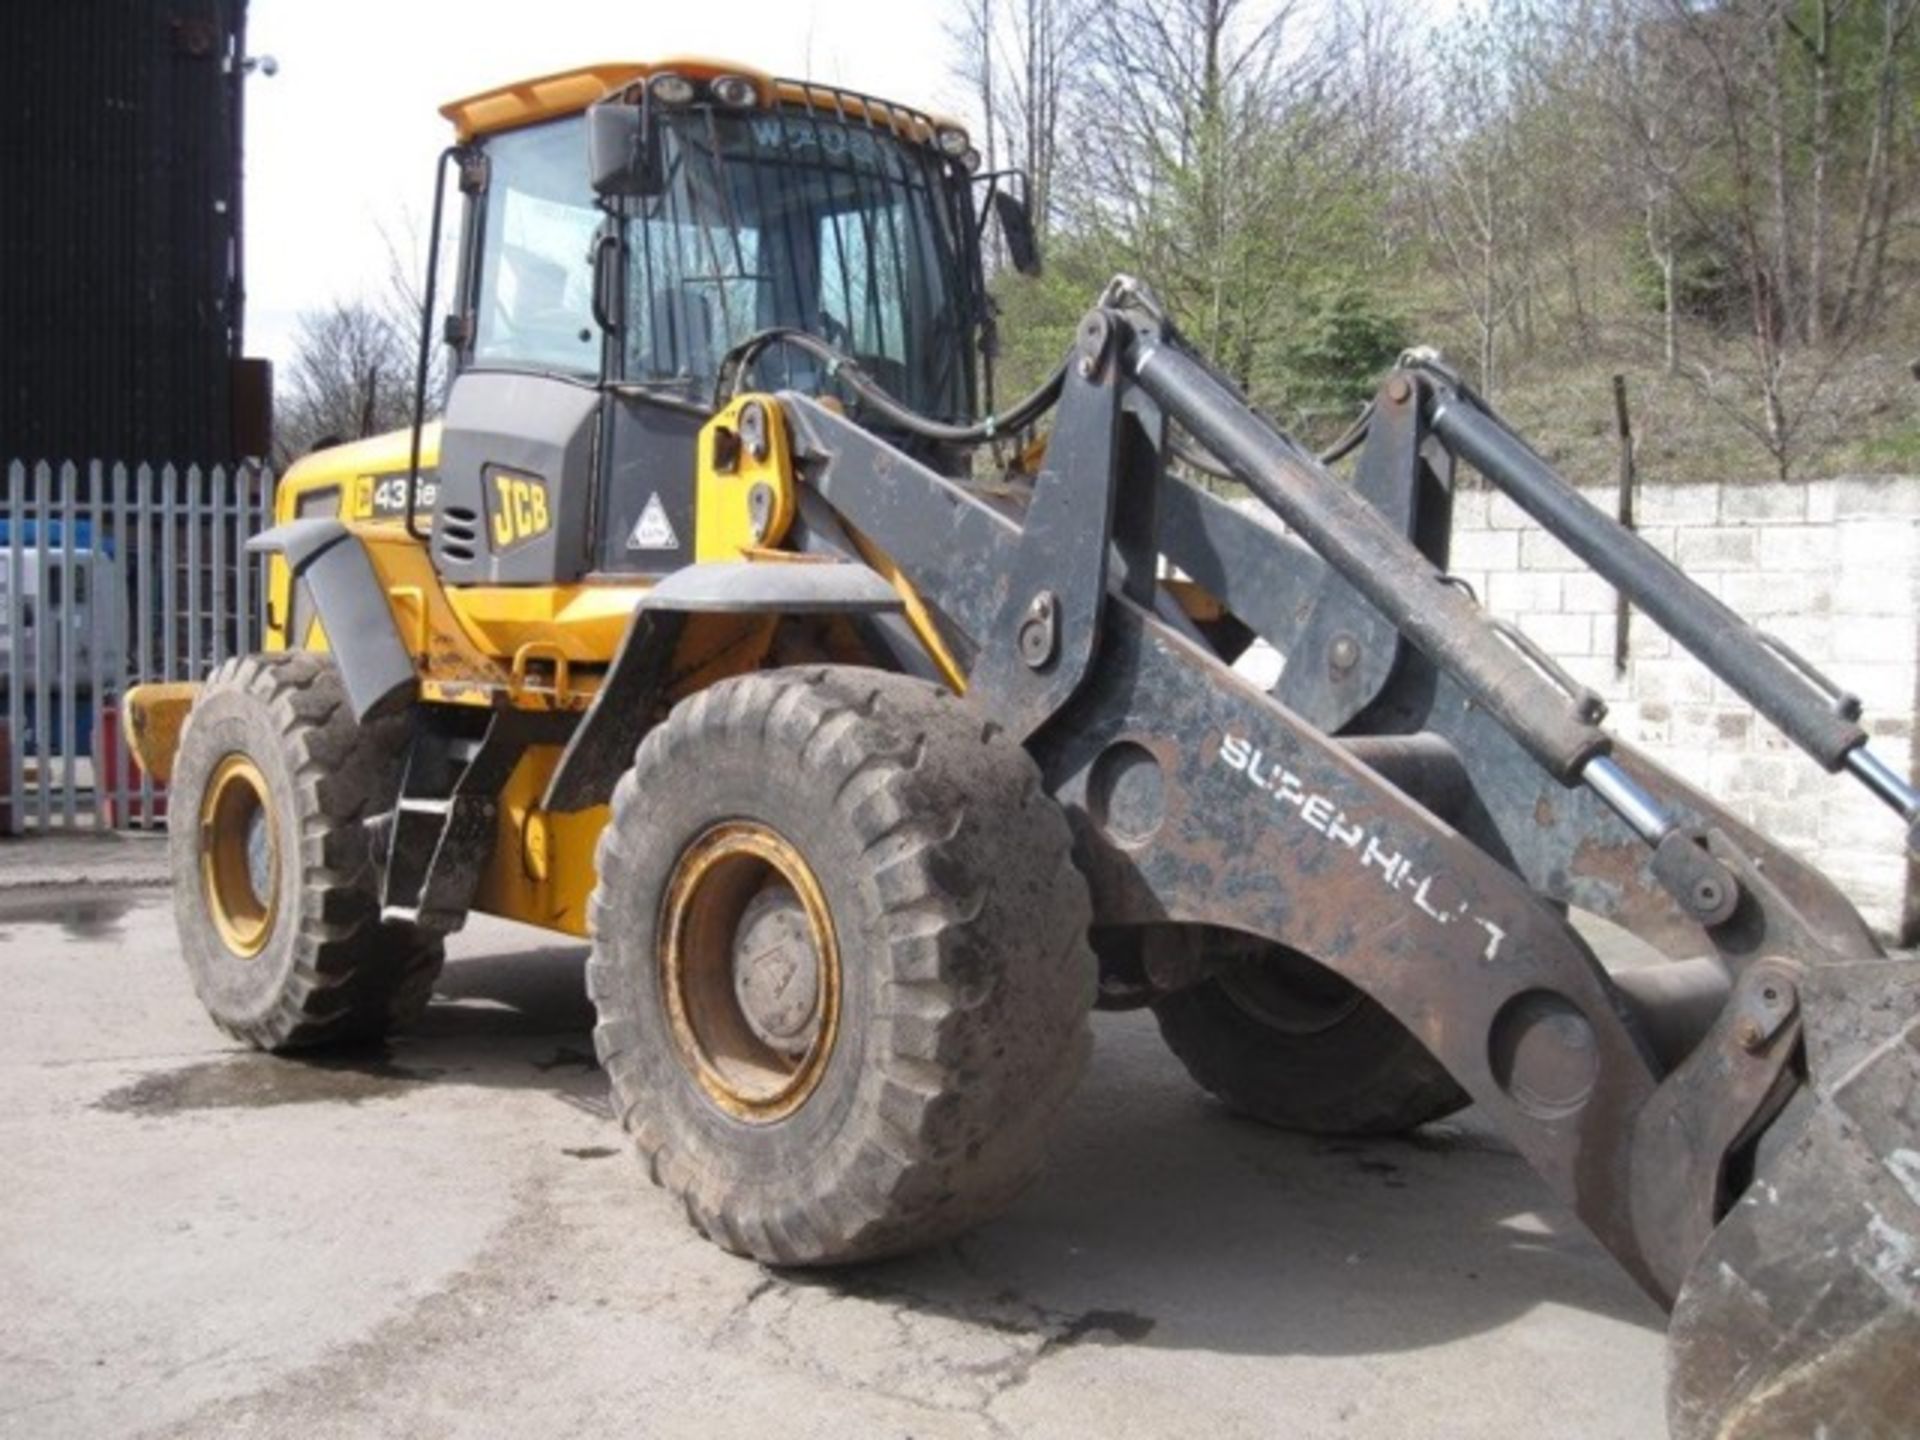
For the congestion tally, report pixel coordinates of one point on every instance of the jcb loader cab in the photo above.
(704, 625)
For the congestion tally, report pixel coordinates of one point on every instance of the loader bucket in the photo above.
(1801, 1318)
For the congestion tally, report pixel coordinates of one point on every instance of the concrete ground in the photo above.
(451, 1239)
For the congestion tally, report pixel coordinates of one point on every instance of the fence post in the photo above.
(194, 543)
(42, 509)
(67, 698)
(99, 593)
(121, 641)
(1623, 429)
(217, 614)
(16, 646)
(242, 583)
(169, 544)
(143, 602)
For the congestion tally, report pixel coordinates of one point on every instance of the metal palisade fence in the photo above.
(111, 575)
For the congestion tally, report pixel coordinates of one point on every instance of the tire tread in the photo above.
(355, 977)
(942, 807)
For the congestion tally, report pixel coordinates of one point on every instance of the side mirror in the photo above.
(623, 150)
(1016, 225)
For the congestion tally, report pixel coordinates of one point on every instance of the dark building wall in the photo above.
(120, 296)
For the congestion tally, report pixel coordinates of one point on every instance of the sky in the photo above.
(341, 140)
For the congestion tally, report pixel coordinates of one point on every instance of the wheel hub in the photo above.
(776, 975)
(239, 856)
(259, 854)
(750, 970)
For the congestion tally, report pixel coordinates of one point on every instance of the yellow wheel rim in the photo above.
(750, 971)
(240, 855)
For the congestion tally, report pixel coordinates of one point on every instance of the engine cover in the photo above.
(516, 480)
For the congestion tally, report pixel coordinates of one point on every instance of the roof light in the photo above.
(736, 92)
(670, 89)
(953, 142)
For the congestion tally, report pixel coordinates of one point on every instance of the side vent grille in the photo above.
(457, 529)
(460, 522)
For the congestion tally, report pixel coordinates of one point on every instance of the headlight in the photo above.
(971, 160)
(670, 89)
(734, 91)
(953, 143)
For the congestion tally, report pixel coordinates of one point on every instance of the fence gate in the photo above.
(110, 575)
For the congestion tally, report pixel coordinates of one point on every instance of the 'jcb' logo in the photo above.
(519, 509)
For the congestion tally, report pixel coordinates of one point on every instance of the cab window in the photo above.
(533, 302)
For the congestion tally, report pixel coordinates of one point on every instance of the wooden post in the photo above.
(1623, 426)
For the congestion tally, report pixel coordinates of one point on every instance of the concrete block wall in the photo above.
(1832, 567)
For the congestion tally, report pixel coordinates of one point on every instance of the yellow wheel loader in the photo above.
(703, 624)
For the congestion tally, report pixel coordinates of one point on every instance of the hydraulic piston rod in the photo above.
(1356, 540)
(1400, 582)
(1810, 712)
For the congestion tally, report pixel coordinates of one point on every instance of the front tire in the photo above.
(276, 893)
(840, 963)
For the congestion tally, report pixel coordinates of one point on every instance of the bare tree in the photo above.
(1214, 154)
(971, 35)
(351, 377)
(402, 303)
(1884, 183)
(1739, 50)
(356, 362)
(1018, 57)
(1654, 133)
(1473, 182)
(1046, 37)
(1816, 40)
(1498, 170)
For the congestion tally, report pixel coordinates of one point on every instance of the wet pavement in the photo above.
(448, 1237)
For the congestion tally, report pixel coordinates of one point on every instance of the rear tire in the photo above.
(1283, 1040)
(906, 1091)
(276, 892)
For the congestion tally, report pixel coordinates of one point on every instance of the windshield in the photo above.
(797, 218)
(769, 218)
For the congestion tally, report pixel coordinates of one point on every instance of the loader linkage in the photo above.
(1416, 805)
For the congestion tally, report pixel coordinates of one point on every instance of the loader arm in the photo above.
(1416, 812)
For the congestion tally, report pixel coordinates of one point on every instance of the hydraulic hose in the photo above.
(1350, 440)
(867, 391)
(846, 368)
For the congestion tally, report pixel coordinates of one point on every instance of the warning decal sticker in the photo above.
(653, 530)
